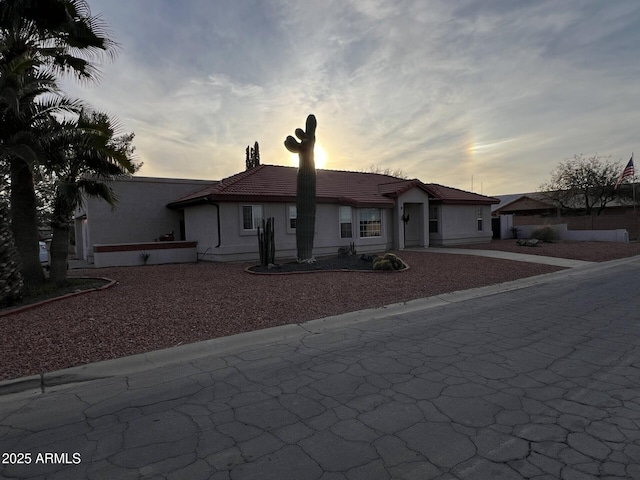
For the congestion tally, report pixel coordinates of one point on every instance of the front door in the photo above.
(412, 224)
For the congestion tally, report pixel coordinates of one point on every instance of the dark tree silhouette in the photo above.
(10, 278)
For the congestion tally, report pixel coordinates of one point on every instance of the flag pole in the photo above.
(634, 202)
(634, 186)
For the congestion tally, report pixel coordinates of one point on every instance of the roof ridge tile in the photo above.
(225, 183)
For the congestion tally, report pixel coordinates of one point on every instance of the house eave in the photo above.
(452, 201)
(192, 202)
(279, 199)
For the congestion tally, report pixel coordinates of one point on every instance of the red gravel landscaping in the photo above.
(156, 307)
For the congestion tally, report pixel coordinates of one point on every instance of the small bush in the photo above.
(389, 261)
(545, 234)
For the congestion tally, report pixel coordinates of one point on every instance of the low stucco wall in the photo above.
(131, 254)
(618, 235)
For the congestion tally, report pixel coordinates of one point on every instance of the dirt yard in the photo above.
(156, 307)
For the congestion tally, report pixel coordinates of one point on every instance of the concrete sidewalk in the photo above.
(519, 257)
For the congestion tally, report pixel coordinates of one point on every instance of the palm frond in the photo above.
(98, 189)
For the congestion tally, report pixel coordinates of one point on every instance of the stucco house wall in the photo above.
(139, 216)
(237, 244)
(458, 224)
(211, 214)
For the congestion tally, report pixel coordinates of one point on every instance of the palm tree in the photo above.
(45, 38)
(28, 97)
(84, 157)
(62, 34)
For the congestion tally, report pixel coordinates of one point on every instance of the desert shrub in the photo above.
(545, 234)
(388, 261)
(382, 264)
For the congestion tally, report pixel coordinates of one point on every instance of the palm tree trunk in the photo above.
(59, 253)
(24, 222)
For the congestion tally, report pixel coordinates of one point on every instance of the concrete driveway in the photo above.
(539, 382)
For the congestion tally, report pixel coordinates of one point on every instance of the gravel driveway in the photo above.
(156, 307)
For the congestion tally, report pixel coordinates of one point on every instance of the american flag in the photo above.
(628, 171)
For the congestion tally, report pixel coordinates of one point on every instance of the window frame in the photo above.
(255, 220)
(479, 219)
(434, 219)
(367, 227)
(345, 208)
(290, 209)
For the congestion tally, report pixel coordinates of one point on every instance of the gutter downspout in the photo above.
(218, 219)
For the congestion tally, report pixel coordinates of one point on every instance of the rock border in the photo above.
(110, 283)
(406, 267)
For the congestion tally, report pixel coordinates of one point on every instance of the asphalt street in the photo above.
(539, 383)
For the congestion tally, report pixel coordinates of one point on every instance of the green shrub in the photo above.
(545, 234)
(389, 261)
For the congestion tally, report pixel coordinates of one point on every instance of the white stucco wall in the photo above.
(201, 225)
(458, 225)
(237, 244)
(141, 214)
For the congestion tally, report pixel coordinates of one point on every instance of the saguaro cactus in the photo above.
(306, 188)
(266, 242)
(253, 156)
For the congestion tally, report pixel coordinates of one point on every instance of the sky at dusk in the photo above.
(497, 90)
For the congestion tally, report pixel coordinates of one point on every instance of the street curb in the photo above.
(22, 384)
(274, 335)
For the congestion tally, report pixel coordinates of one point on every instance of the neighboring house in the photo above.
(375, 212)
(542, 204)
(140, 214)
(535, 209)
(525, 204)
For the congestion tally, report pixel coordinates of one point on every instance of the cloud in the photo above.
(444, 90)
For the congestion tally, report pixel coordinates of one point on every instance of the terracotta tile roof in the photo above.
(275, 183)
(506, 200)
(442, 194)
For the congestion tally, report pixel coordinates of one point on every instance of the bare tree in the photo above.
(581, 185)
(392, 172)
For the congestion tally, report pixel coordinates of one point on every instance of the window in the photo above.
(251, 217)
(433, 219)
(345, 222)
(479, 218)
(370, 222)
(293, 215)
